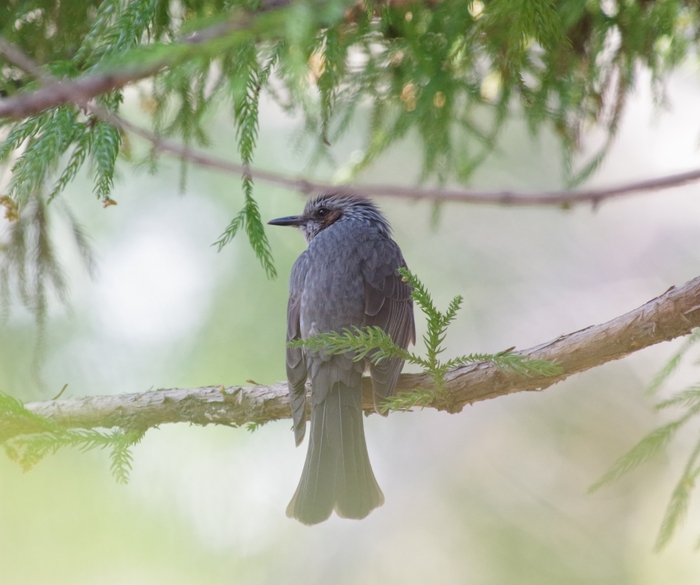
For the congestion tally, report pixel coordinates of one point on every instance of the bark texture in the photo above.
(673, 314)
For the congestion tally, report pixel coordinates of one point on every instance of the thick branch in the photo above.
(671, 315)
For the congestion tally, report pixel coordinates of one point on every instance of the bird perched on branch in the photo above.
(347, 277)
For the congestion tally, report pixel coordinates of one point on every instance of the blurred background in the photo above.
(496, 494)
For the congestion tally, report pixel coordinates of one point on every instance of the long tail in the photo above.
(337, 474)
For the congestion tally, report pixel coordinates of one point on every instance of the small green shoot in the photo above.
(373, 343)
(47, 437)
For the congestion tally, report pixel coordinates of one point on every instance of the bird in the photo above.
(347, 277)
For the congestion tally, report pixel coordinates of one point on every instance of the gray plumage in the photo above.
(346, 278)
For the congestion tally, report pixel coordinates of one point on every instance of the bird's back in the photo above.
(346, 278)
(333, 295)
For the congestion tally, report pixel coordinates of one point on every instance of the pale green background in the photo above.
(494, 495)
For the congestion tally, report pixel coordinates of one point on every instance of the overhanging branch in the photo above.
(82, 92)
(92, 85)
(666, 317)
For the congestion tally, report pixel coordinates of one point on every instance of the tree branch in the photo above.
(666, 317)
(92, 85)
(83, 90)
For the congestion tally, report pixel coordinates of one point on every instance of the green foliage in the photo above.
(688, 400)
(360, 341)
(245, 106)
(46, 438)
(43, 149)
(105, 148)
(84, 140)
(448, 73)
(120, 442)
(29, 266)
(680, 498)
(373, 343)
(425, 70)
(417, 398)
(649, 446)
(73, 38)
(672, 365)
(13, 412)
(253, 426)
(249, 219)
(28, 263)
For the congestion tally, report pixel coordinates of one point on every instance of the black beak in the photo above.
(295, 220)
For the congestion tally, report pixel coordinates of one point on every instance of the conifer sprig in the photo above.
(245, 102)
(680, 499)
(29, 266)
(48, 437)
(642, 452)
(655, 442)
(373, 343)
(663, 376)
(444, 72)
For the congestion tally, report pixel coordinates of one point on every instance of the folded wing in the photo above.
(388, 304)
(296, 362)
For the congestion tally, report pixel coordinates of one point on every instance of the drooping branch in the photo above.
(82, 91)
(673, 314)
(93, 85)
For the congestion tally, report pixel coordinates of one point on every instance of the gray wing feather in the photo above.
(296, 361)
(388, 304)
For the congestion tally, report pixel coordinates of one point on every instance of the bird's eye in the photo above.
(322, 212)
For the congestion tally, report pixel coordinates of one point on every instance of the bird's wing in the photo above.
(296, 362)
(388, 304)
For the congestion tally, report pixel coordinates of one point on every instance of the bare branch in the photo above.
(564, 199)
(671, 315)
(510, 198)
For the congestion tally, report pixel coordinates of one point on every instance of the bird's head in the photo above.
(325, 210)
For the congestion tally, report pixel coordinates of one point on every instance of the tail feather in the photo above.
(337, 473)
